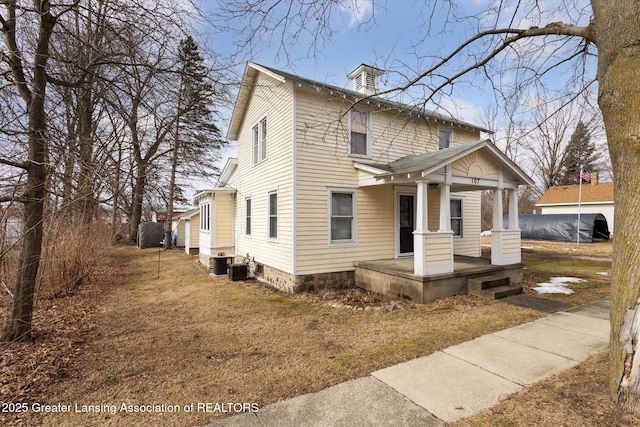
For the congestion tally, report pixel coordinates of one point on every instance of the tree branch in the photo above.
(555, 28)
(11, 163)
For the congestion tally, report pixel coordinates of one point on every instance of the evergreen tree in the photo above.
(580, 152)
(196, 138)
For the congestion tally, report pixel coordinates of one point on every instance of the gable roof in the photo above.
(252, 69)
(430, 162)
(188, 214)
(568, 194)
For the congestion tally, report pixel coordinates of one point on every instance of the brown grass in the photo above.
(188, 338)
(576, 397)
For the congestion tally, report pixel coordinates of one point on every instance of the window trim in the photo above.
(367, 135)
(205, 216)
(259, 140)
(354, 215)
(270, 235)
(461, 218)
(440, 129)
(248, 211)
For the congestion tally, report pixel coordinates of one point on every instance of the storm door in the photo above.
(407, 222)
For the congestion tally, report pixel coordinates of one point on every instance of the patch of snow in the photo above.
(605, 273)
(561, 280)
(557, 285)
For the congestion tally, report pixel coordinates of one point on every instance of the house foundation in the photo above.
(395, 278)
(290, 283)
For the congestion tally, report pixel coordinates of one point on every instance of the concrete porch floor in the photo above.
(394, 277)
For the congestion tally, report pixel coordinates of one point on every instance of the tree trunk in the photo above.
(138, 196)
(85, 194)
(18, 326)
(172, 183)
(617, 31)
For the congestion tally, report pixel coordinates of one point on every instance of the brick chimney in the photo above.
(594, 178)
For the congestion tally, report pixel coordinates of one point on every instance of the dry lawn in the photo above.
(188, 338)
(576, 397)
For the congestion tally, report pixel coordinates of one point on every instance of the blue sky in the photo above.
(401, 36)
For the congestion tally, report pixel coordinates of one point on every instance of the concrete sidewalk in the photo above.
(451, 384)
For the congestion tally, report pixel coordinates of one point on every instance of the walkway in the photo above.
(448, 385)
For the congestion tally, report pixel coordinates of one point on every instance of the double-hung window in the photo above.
(444, 138)
(273, 215)
(205, 217)
(359, 138)
(342, 216)
(259, 141)
(247, 229)
(456, 217)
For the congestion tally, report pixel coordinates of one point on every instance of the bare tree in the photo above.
(527, 40)
(30, 81)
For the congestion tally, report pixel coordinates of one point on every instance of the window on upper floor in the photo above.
(359, 144)
(259, 141)
(444, 138)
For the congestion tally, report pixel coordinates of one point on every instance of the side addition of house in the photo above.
(331, 185)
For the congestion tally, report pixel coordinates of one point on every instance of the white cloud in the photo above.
(358, 9)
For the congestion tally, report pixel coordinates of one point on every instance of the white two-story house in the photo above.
(328, 179)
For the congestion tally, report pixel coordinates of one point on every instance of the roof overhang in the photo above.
(252, 71)
(433, 167)
(246, 88)
(228, 171)
(213, 194)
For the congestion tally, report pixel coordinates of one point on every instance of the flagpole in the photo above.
(579, 202)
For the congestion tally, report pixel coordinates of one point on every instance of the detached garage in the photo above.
(564, 227)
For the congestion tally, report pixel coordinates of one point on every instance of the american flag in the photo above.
(585, 175)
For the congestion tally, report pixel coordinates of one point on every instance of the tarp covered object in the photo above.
(563, 227)
(150, 235)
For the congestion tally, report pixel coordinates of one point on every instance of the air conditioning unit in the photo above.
(238, 272)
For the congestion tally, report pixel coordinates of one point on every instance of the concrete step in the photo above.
(497, 292)
(486, 282)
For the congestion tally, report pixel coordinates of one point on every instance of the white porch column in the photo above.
(432, 251)
(445, 203)
(422, 228)
(514, 222)
(505, 244)
(497, 210)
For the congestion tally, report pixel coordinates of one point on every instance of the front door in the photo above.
(407, 222)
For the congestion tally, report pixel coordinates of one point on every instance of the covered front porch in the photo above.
(435, 177)
(395, 277)
(430, 237)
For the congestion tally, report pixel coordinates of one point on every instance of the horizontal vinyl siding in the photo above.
(322, 162)
(224, 223)
(194, 230)
(469, 245)
(510, 244)
(438, 251)
(273, 100)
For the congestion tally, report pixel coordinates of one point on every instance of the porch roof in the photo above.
(420, 166)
